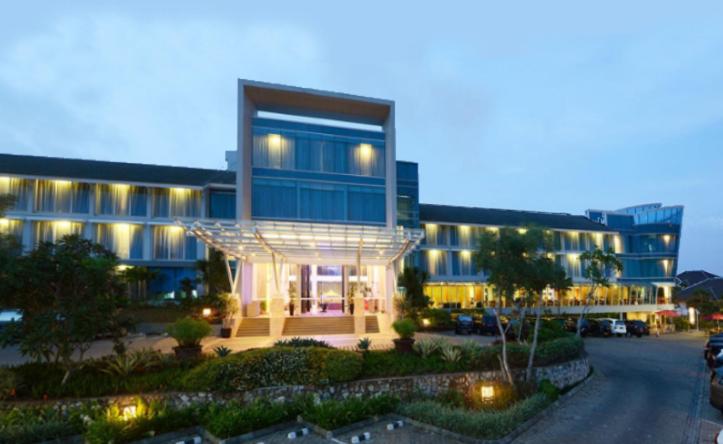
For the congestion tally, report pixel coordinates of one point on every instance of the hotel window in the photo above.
(18, 188)
(62, 196)
(121, 200)
(53, 231)
(222, 205)
(176, 202)
(171, 243)
(318, 152)
(462, 263)
(125, 240)
(430, 234)
(366, 204)
(273, 151)
(321, 202)
(11, 227)
(437, 262)
(274, 199)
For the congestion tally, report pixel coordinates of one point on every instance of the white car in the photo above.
(617, 326)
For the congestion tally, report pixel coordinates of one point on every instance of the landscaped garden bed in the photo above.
(248, 391)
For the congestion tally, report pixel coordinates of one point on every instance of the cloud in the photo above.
(157, 91)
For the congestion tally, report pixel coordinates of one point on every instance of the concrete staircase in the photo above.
(322, 325)
(372, 324)
(253, 327)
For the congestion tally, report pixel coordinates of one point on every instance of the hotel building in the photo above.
(316, 216)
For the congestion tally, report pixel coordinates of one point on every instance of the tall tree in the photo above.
(597, 266)
(68, 294)
(10, 249)
(413, 279)
(561, 283)
(505, 256)
(138, 279)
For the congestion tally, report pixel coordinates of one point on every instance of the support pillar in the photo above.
(277, 317)
(359, 316)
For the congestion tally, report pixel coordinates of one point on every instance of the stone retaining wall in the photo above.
(561, 375)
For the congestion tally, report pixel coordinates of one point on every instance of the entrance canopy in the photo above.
(306, 243)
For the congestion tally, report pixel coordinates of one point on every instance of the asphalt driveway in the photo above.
(645, 390)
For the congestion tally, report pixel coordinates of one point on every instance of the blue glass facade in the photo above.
(317, 173)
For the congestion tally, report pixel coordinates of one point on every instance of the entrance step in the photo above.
(253, 327)
(322, 325)
(372, 324)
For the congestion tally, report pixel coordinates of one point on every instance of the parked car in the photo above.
(637, 328)
(712, 349)
(716, 389)
(488, 326)
(616, 326)
(571, 326)
(514, 329)
(464, 325)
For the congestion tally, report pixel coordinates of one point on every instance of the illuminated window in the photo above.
(121, 200)
(53, 231)
(171, 243)
(17, 188)
(62, 196)
(125, 240)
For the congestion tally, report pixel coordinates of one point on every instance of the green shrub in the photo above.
(222, 351)
(387, 363)
(150, 419)
(274, 366)
(364, 345)
(21, 425)
(428, 347)
(478, 424)
(235, 419)
(301, 342)
(9, 382)
(405, 328)
(559, 350)
(332, 414)
(332, 366)
(550, 330)
(548, 389)
(437, 318)
(189, 332)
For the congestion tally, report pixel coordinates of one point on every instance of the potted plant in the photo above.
(230, 307)
(405, 328)
(188, 332)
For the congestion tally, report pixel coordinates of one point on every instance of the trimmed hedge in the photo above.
(479, 424)
(380, 364)
(275, 366)
(21, 425)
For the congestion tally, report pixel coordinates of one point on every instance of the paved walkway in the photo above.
(645, 390)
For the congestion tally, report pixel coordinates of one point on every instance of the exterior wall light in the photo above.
(487, 393)
(206, 312)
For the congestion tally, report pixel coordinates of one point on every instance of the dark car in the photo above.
(604, 327)
(514, 329)
(488, 326)
(716, 389)
(571, 326)
(712, 349)
(637, 328)
(464, 325)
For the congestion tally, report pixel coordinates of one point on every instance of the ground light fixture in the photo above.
(206, 312)
(426, 322)
(129, 412)
(487, 393)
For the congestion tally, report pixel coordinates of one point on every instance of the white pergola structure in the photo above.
(277, 243)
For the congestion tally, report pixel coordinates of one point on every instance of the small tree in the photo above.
(597, 263)
(504, 255)
(68, 294)
(138, 279)
(561, 284)
(542, 273)
(414, 299)
(214, 276)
